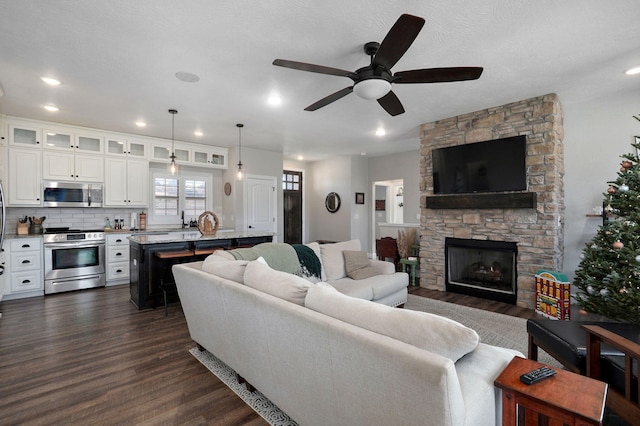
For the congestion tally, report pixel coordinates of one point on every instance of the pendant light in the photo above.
(240, 172)
(173, 113)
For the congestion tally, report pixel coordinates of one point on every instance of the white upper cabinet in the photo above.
(161, 152)
(214, 157)
(121, 147)
(126, 183)
(25, 177)
(25, 136)
(89, 144)
(54, 139)
(72, 167)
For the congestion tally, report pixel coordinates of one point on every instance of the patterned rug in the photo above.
(493, 328)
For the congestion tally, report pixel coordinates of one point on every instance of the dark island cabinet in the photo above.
(146, 269)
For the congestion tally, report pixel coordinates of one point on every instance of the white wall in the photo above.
(332, 175)
(597, 133)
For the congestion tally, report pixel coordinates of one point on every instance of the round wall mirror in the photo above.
(332, 202)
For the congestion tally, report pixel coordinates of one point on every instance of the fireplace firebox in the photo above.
(482, 268)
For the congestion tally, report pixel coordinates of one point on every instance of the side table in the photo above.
(412, 264)
(566, 398)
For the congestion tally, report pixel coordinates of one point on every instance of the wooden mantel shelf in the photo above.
(485, 200)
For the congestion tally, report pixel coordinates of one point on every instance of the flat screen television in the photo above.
(492, 166)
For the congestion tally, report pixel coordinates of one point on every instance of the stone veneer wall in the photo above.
(538, 233)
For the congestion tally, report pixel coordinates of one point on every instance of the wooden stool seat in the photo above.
(211, 250)
(174, 254)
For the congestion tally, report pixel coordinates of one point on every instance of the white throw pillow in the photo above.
(333, 260)
(430, 332)
(230, 269)
(286, 286)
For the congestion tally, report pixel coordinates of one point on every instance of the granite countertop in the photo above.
(193, 235)
(12, 236)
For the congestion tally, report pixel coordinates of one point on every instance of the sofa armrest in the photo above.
(382, 267)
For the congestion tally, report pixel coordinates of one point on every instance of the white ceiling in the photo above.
(117, 61)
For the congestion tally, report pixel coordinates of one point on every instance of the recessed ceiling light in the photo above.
(51, 108)
(141, 123)
(198, 133)
(380, 131)
(274, 100)
(633, 71)
(50, 81)
(300, 158)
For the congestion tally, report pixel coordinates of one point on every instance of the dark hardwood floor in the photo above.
(89, 357)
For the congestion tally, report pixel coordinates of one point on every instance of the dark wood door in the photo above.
(292, 189)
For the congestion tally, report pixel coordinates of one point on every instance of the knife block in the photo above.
(23, 228)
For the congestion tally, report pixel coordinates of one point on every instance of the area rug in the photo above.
(493, 328)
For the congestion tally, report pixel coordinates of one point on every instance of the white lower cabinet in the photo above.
(26, 277)
(117, 259)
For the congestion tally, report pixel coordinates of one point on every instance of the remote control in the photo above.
(536, 375)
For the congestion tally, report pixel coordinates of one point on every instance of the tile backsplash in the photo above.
(76, 218)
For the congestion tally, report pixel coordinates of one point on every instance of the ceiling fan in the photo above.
(374, 81)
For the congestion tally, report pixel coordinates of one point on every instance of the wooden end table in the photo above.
(565, 399)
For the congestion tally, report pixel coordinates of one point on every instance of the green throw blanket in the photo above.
(309, 262)
(279, 256)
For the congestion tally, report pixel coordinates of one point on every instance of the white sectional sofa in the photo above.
(326, 358)
(382, 284)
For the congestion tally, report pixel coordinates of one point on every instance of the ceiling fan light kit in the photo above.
(374, 81)
(374, 88)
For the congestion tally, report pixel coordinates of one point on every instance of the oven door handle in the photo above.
(73, 245)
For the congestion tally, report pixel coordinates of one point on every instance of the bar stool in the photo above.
(167, 260)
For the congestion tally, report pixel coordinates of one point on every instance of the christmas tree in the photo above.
(609, 273)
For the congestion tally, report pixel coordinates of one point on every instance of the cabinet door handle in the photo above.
(118, 254)
(26, 281)
(26, 246)
(119, 271)
(118, 240)
(26, 261)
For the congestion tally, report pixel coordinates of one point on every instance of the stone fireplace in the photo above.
(533, 220)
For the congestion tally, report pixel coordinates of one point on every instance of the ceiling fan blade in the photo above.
(437, 75)
(398, 40)
(391, 104)
(302, 66)
(331, 98)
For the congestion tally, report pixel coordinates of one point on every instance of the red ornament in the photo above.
(618, 245)
(612, 190)
(626, 164)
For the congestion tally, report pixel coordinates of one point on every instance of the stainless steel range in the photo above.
(73, 259)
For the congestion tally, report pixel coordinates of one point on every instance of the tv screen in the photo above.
(492, 166)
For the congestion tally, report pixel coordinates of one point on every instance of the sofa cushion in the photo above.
(223, 267)
(286, 286)
(333, 260)
(357, 265)
(430, 332)
(379, 285)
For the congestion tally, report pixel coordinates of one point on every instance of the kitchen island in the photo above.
(146, 269)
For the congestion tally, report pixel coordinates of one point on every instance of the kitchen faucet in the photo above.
(184, 225)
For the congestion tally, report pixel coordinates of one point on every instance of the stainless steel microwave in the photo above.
(71, 194)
